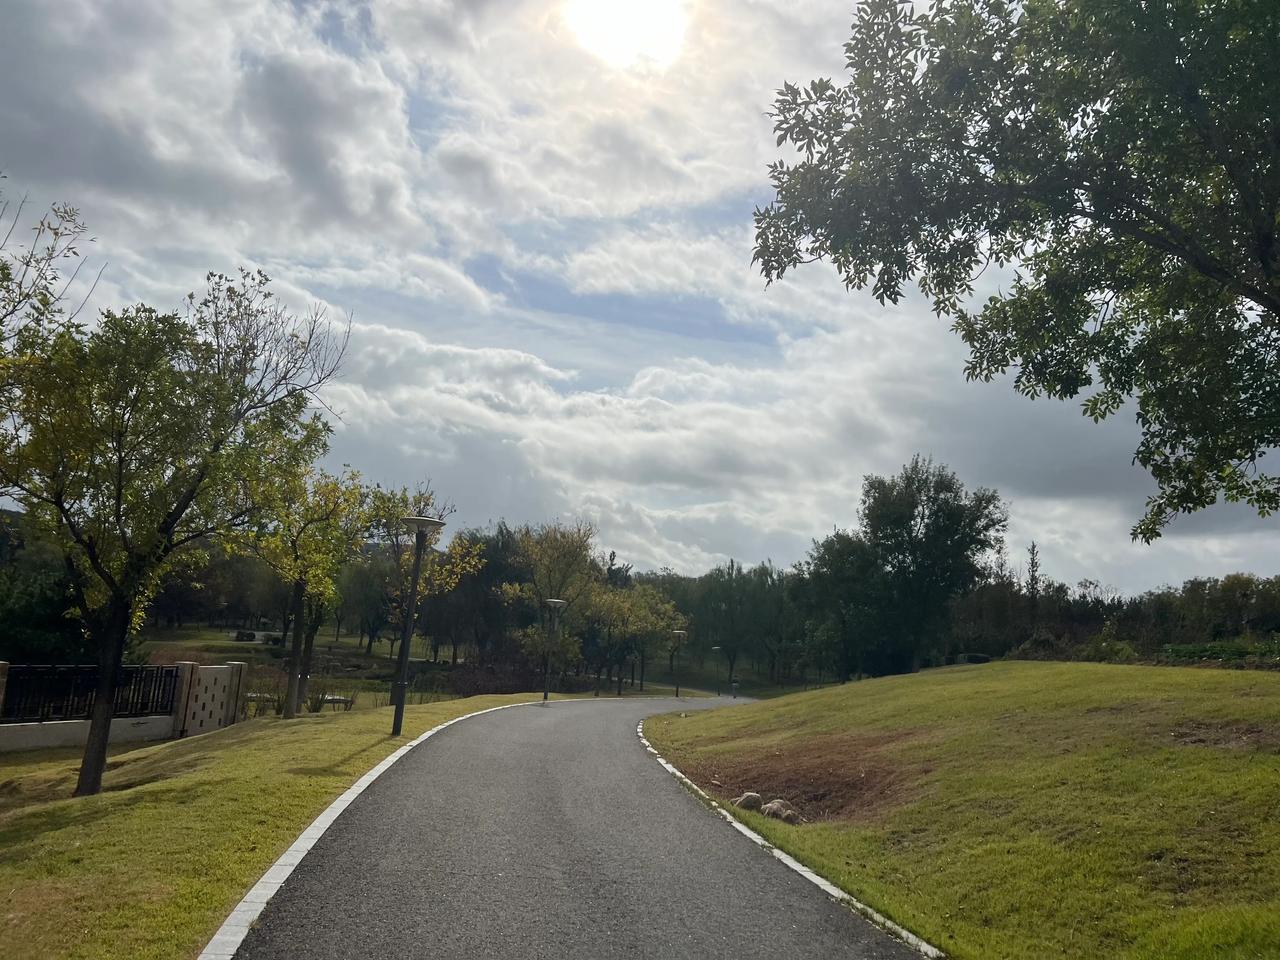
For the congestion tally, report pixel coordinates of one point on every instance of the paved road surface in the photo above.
(547, 832)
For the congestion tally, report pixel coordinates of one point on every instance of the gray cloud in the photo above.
(207, 134)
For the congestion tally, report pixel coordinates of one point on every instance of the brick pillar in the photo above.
(237, 689)
(188, 670)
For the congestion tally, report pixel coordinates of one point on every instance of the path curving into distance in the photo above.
(548, 832)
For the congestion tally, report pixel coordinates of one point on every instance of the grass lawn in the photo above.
(713, 675)
(149, 869)
(1016, 810)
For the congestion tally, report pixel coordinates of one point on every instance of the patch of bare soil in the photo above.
(1228, 734)
(833, 777)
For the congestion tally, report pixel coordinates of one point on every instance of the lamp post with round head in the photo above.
(556, 606)
(399, 692)
(717, 672)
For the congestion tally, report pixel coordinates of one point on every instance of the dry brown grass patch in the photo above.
(832, 777)
(1229, 734)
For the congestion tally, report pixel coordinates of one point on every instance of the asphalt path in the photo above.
(547, 832)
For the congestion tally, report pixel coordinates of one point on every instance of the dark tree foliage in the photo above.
(34, 590)
(1122, 155)
(884, 591)
(844, 597)
(489, 619)
(930, 540)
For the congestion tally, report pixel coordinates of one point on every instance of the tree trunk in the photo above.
(313, 627)
(642, 659)
(453, 661)
(304, 669)
(619, 679)
(111, 641)
(295, 654)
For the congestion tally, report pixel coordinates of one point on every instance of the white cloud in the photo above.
(518, 230)
(693, 462)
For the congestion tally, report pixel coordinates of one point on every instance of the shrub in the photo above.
(1106, 646)
(1202, 652)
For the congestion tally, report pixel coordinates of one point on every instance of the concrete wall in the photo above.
(215, 697)
(206, 699)
(74, 733)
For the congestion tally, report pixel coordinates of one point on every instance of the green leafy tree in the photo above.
(312, 524)
(481, 613)
(1124, 156)
(130, 442)
(845, 596)
(656, 617)
(441, 570)
(366, 584)
(33, 600)
(619, 617)
(725, 598)
(557, 563)
(930, 539)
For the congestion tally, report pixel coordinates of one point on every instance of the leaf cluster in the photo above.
(1122, 157)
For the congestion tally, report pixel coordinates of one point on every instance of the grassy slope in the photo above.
(1028, 809)
(150, 868)
(712, 676)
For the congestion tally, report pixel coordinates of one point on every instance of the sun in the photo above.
(629, 33)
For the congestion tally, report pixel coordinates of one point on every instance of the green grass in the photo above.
(610, 691)
(149, 869)
(713, 675)
(1019, 810)
(339, 657)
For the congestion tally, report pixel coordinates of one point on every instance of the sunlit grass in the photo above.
(1033, 809)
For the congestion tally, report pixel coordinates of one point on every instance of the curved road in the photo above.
(547, 832)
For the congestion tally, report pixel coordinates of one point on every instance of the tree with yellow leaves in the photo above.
(316, 522)
(441, 569)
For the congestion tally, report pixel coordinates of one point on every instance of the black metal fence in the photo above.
(35, 693)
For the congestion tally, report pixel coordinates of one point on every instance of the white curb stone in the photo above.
(235, 928)
(830, 889)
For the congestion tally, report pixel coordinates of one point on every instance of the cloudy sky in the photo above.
(538, 215)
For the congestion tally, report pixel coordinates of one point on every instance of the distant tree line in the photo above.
(922, 580)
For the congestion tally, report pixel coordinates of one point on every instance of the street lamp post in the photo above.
(399, 693)
(717, 672)
(556, 606)
(679, 635)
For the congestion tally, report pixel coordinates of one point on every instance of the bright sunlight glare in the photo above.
(628, 33)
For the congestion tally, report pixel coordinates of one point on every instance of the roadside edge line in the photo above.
(224, 944)
(826, 886)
